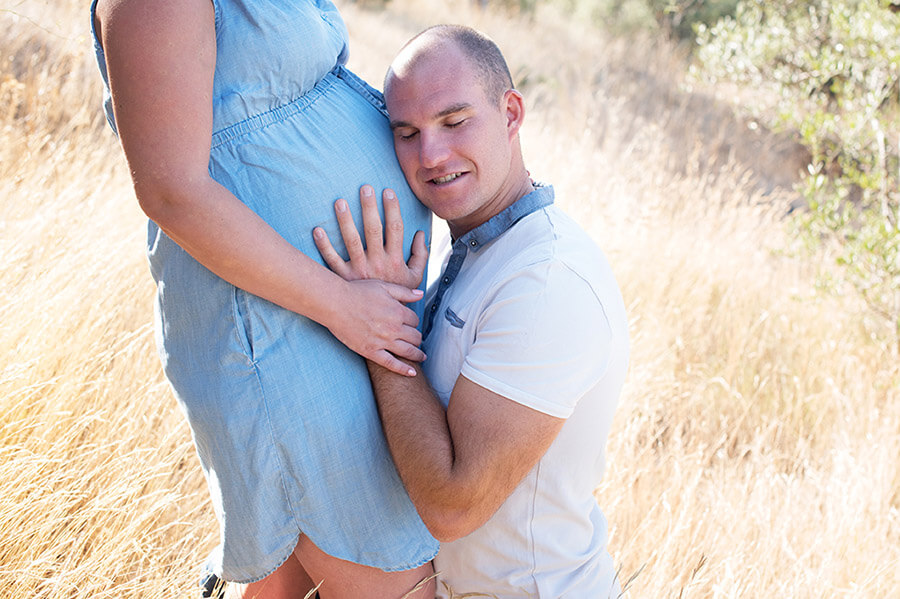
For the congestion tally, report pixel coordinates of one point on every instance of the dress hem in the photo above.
(271, 571)
(281, 562)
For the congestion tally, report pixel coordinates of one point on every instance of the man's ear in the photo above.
(514, 107)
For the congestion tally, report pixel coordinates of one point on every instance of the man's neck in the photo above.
(521, 186)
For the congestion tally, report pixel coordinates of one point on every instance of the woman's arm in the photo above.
(161, 58)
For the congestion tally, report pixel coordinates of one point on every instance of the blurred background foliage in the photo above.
(675, 17)
(828, 70)
(825, 71)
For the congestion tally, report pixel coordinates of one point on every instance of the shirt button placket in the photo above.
(453, 266)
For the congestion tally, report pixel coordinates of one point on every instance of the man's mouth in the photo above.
(446, 178)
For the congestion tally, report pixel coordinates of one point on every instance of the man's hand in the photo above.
(382, 255)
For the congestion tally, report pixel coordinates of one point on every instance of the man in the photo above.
(502, 441)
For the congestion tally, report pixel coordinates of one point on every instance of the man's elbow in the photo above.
(447, 525)
(457, 508)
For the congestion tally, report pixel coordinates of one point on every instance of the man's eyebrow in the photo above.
(452, 109)
(399, 124)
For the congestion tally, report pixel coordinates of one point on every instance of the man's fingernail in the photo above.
(318, 233)
(411, 372)
(389, 194)
(368, 191)
(417, 292)
(340, 206)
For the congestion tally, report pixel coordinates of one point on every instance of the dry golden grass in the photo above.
(755, 451)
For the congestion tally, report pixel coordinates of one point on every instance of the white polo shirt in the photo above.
(530, 310)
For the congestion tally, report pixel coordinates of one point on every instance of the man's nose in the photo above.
(433, 151)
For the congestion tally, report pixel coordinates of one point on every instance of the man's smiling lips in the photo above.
(445, 179)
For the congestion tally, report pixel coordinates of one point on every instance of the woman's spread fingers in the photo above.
(353, 243)
(371, 219)
(329, 255)
(393, 223)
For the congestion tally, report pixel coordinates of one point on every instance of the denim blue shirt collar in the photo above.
(474, 240)
(500, 223)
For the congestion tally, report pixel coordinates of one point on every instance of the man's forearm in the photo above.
(458, 465)
(418, 435)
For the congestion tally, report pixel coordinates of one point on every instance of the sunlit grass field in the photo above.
(756, 450)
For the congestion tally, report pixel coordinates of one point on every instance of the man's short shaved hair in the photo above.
(481, 51)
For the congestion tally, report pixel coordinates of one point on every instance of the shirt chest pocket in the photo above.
(447, 347)
(451, 317)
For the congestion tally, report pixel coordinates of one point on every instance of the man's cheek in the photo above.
(407, 163)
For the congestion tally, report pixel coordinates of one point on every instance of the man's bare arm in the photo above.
(458, 466)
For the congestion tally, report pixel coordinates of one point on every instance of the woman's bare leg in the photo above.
(289, 581)
(346, 580)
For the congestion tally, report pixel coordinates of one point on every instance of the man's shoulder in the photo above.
(549, 256)
(550, 236)
(552, 310)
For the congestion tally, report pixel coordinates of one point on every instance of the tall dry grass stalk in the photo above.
(755, 451)
(100, 494)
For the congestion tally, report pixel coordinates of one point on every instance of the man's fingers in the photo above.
(411, 320)
(418, 257)
(393, 223)
(408, 351)
(385, 359)
(411, 334)
(352, 241)
(403, 294)
(331, 257)
(371, 219)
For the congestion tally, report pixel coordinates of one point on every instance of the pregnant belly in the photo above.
(290, 172)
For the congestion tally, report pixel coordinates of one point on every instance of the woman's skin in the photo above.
(160, 59)
(163, 108)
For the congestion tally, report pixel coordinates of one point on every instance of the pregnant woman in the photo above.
(240, 126)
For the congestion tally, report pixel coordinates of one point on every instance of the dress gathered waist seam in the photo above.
(277, 114)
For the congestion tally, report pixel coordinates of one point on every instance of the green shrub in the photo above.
(834, 67)
(681, 17)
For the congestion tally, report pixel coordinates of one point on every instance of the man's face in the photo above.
(454, 144)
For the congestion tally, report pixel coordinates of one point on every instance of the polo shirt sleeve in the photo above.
(542, 340)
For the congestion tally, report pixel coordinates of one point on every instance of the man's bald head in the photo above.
(479, 50)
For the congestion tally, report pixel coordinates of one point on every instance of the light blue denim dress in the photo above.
(282, 414)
